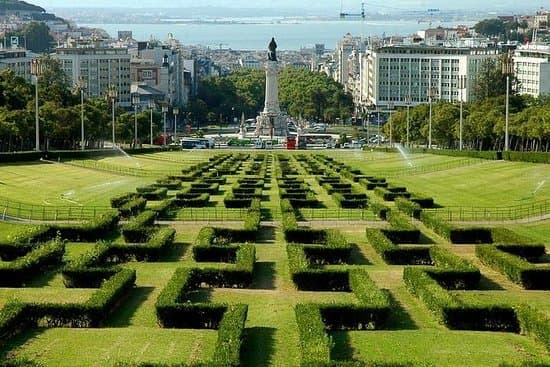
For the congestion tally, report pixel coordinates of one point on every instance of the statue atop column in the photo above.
(272, 54)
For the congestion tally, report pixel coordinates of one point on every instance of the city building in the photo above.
(163, 67)
(250, 62)
(394, 75)
(532, 69)
(99, 67)
(346, 46)
(18, 60)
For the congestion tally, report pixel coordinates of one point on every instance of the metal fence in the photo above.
(533, 211)
(417, 170)
(22, 211)
(121, 170)
(208, 214)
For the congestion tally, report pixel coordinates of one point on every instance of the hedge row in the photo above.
(16, 317)
(24, 241)
(17, 272)
(533, 157)
(132, 207)
(202, 188)
(401, 230)
(173, 310)
(516, 269)
(394, 254)
(389, 195)
(454, 313)
(350, 200)
(534, 323)
(455, 234)
(139, 228)
(115, 253)
(187, 199)
(120, 200)
(371, 183)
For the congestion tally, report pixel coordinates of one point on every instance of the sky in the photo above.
(349, 5)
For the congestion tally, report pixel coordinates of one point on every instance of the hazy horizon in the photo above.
(319, 5)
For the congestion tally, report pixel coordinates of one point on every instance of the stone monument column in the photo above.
(271, 88)
(271, 121)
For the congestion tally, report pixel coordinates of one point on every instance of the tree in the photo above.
(490, 28)
(490, 81)
(36, 37)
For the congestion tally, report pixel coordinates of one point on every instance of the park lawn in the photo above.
(62, 185)
(105, 347)
(53, 294)
(491, 184)
(537, 299)
(381, 163)
(538, 232)
(441, 348)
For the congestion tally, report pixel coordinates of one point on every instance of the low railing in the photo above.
(534, 211)
(21, 211)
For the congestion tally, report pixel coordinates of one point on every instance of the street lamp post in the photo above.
(151, 107)
(390, 108)
(408, 102)
(378, 124)
(462, 87)
(176, 112)
(135, 102)
(81, 85)
(164, 112)
(112, 93)
(36, 71)
(507, 71)
(432, 92)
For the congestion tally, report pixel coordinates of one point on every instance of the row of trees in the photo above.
(301, 93)
(483, 124)
(60, 114)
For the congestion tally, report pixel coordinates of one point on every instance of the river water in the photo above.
(250, 35)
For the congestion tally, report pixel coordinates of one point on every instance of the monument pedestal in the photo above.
(271, 122)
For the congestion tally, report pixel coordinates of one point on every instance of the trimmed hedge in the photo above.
(139, 228)
(351, 200)
(93, 230)
(534, 323)
(132, 207)
(24, 241)
(388, 195)
(455, 314)
(397, 255)
(120, 200)
(191, 200)
(17, 272)
(517, 270)
(314, 341)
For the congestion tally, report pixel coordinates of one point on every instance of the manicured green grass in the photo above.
(487, 184)
(60, 185)
(105, 347)
(539, 231)
(440, 348)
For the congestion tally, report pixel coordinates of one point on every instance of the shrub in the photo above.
(230, 201)
(22, 269)
(516, 269)
(24, 241)
(379, 209)
(413, 209)
(396, 255)
(139, 228)
(535, 323)
(351, 200)
(119, 201)
(132, 207)
(93, 230)
(230, 336)
(314, 341)
(191, 200)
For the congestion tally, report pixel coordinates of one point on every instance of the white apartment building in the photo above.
(250, 62)
(18, 60)
(99, 67)
(346, 46)
(532, 69)
(394, 74)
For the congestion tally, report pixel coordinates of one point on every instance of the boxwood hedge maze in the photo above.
(272, 259)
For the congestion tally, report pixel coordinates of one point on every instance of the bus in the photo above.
(316, 141)
(197, 143)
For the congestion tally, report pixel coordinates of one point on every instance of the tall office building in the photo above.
(99, 67)
(532, 69)
(395, 73)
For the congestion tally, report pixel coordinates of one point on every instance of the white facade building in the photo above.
(532, 69)
(18, 60)
(99, 67)
(393, 74)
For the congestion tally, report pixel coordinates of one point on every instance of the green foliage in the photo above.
(535, 323)
(37, 37)
(516, 269)
(139, 228)
(230, 336)
(394, 254)
(17, 272)
(314, 341)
